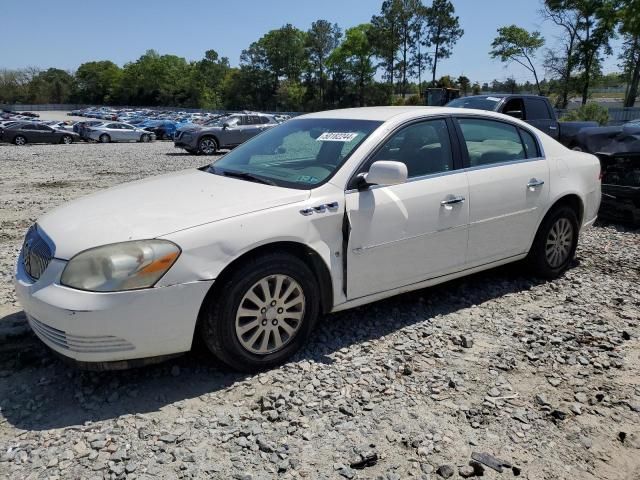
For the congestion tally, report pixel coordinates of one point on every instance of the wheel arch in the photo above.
(572, 199)
(303, 252)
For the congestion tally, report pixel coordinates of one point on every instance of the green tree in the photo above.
(385, 38)
(464, 83)
(98, 82)
(442, 32)
(630, 55)
(279, 52)
(322, 38)
(515, 44)
(51, 86)
(354, 56)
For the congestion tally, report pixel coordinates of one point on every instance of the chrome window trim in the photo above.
(503, 164)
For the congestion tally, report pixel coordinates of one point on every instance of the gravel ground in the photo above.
(540, 380)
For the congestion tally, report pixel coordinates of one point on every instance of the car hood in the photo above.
(155, 207)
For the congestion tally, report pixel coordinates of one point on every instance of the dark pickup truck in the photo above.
(533, 109)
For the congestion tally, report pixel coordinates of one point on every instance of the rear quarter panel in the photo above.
(574, 173)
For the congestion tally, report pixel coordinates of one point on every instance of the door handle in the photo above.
(552, 127)
(451, 201)
(534, 182)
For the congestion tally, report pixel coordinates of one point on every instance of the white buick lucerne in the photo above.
(325, 212)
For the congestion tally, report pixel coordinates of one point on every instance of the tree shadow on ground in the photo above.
(39, 392)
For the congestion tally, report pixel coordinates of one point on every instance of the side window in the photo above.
(264, 120)
(28, 126)
(44, 128)
(537, 109)
(491, 142)
(113, 126)
(530, 144)
(424, 147)
(233, 121)
(126, 127)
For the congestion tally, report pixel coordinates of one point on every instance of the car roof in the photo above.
(383, 114)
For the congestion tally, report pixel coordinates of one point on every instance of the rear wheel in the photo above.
(208, 146)
(20, 140)
(104, 138)
(263, 313)
(555, 244)
(67, 139)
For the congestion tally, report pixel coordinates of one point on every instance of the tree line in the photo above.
(389, 60)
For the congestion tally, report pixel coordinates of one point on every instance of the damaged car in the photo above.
(322, 213)
(621, 187)
(623, 138)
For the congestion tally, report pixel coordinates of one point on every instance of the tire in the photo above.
(104, 138)
(66, 139)
(207, 146)
(555, 244)
(145, 138)
(239, 341)
(20, 140)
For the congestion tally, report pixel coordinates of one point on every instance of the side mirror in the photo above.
(225, 125)
(515, 114)
(385, 172)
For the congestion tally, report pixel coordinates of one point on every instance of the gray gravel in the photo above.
(496, 372)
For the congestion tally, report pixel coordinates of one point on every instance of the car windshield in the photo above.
(480, 103)
(300, 153)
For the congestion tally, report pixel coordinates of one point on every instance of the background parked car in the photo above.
(118, 132)
(22, 133)
(163, 129)
(226, 132)
(611, 140)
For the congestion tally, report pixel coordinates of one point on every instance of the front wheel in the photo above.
(262, 314)
(67, 139)
(145, 138)
(555, 244)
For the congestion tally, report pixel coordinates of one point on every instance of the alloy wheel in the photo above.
(559, 241)
(208, 146)
(270, 314)
(20, 141)
(66, 140)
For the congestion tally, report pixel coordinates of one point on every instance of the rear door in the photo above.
(508, 188)
(540, 115)
(252, 128)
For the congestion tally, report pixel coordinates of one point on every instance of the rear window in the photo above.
(480, 103)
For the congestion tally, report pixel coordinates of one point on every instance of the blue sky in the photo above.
(65, 33)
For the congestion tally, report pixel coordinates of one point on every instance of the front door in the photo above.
(407, 233)
(508, 188)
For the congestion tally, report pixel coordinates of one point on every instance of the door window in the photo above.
(537, 109)
(530, 144)
(424, 147)
(490, 142)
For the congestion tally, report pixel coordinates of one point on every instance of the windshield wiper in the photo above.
(247, 176)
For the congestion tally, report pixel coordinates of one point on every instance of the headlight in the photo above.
(120, 266)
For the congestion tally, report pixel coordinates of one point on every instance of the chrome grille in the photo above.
(36, 253)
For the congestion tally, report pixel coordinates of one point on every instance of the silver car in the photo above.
(118, 132)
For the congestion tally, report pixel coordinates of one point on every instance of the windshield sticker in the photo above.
(493, 99)
(336, 137)
(307, 179)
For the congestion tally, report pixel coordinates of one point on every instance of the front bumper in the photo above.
(109, 327)
(185, 140)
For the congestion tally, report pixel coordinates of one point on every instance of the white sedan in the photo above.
(322, 213)
(118, 132)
